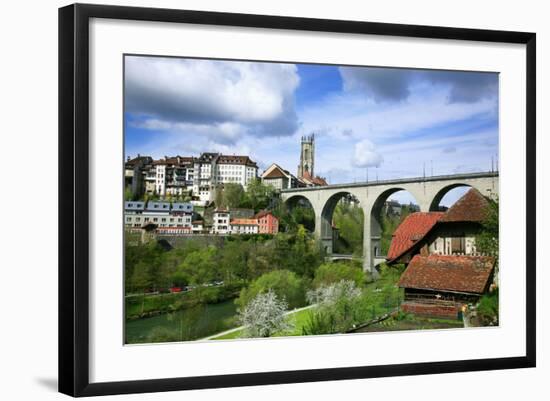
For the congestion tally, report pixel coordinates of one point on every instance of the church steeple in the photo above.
(307, 156)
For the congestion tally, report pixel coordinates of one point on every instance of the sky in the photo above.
(384, 123)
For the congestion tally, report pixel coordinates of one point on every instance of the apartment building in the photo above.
(220, 222)
(179, 175)
(213, 169)
(240, 221)
(177, 216)
(244, 226)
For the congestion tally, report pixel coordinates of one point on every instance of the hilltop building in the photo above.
(306, 168)
(134, 179)
(279, 178)
(239, 221)
(171, 218)
(178, 175)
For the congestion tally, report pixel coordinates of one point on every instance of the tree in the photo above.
(258, 195)
(233, 195)
(200, 266)
(218, 196)
(306, 254)
(487, 240)
(233, 260)
(349, 219)
(330, 273)
(264, 316)
(336, 310)
(285, 284)
(128, 194)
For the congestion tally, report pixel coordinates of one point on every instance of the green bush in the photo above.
(330, 273)
(285, 284)
(487, 309)
(336, 310)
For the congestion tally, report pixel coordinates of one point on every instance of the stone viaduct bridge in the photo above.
(428, 192)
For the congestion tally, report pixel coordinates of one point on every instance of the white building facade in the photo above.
(162, 214)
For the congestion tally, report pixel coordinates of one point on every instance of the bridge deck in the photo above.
(450, 177)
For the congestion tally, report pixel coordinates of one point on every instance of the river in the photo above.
(184, 325)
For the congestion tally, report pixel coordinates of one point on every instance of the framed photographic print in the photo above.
(251, 199)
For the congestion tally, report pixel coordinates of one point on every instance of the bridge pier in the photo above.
(368, 246)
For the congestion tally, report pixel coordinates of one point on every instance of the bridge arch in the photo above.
(303, 201)
(374, 244)
(327, 214)
(435, 203)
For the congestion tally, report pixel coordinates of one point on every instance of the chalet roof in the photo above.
(275, 173)
(467, 274)
(413, 228)
(472, 207)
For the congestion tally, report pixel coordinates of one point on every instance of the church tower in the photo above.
(307, 156)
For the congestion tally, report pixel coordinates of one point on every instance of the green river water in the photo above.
(184, 325)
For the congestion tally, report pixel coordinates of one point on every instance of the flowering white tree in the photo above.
(328, 295)
(264, 315)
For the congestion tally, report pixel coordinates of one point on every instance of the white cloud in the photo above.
(365, 155)
(362, 117)
(222, 99)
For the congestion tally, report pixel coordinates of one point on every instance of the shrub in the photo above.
(264, 315)
(330, 273)
(487, 309)
(337, 308)
(285, 284)
(162, 335)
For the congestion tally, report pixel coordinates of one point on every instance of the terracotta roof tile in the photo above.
(473, 206)
(320, 181)
(411, 230)
(244, 222)
(469, 274)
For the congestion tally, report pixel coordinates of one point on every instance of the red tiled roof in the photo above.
(469, 274)
(261, 214)
(244, 222)
(320, 181)
(473, 207)
(411, 230)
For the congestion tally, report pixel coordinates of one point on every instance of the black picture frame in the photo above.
(74, 201)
